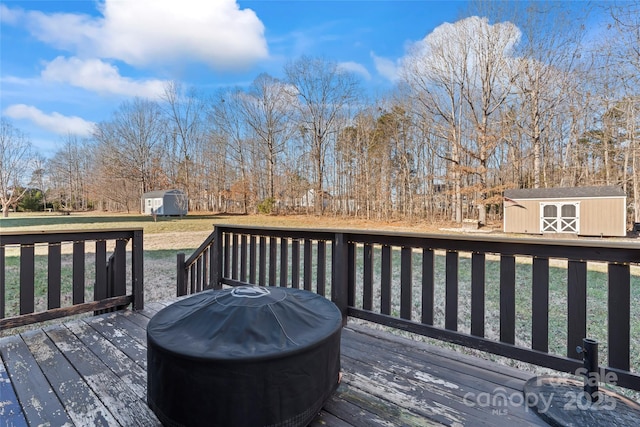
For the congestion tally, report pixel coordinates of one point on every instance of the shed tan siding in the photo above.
(525, 219)
(604, 216)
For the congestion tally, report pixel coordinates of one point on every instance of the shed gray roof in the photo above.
(160, 193)
(565, 192)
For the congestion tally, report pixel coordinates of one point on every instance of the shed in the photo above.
(585, 211)
(165, 202)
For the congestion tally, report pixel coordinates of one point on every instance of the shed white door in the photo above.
(157, 207)
(560, 217)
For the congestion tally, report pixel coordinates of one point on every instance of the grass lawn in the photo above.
(203, 222)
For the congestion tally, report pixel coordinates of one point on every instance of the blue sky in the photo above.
(66, 65)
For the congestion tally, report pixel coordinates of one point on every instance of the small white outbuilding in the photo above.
(165, 203)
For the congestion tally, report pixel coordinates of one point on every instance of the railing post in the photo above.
(137, 270)
(340, 276)
(216, 259)
(181, 276)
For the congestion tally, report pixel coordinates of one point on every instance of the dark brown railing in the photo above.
(66, 294)
(415, 283)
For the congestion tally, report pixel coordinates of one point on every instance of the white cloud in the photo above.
(144, 32)
(354, 67)
(9, 16)
(101, 77)
(54, 122)
(451, 48)
(385, 67)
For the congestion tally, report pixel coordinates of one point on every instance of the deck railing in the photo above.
(64, 283)
(496, 294)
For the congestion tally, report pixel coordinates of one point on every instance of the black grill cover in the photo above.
(246, 356)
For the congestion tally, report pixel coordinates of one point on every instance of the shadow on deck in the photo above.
(92, 371)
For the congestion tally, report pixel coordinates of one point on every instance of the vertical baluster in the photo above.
(576, 306)
(100, 287)
(406, 285)
(79, 267)
(540, 305)
(351, 275)
(216, 258)
(26, 279)
(322, 271)
(212, 265)
(273, 254)
(284, 261)
(619, 302)
(234, 257)
(295, 264)
(307, 264)
(507, 299)
(385, 280)
(451, 291)
(227, 256)
(243, 258)
(428, 279)
(54, 273)
(199, 274)
(193, 288)
(367, 295)
(477, 294)
(205, 268)
(252, 259)
(120, 267)
(340, 274)
(262, 262)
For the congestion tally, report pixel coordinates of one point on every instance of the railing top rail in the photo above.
(299, 233)
(20, 237)
(194, 256)
(595, 249)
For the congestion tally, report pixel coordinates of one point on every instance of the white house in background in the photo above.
(308, 200)
(165, 202)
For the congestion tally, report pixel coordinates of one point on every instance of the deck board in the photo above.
(37, 398)
(10, 410)
(93, 371)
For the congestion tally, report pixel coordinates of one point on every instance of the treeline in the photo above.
(525, 98)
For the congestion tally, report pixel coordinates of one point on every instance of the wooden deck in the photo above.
(92, 371)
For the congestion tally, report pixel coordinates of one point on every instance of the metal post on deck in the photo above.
(589, 351)
(559, 400)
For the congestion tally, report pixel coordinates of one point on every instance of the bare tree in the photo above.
(625, 49)
(436, 73)
(548, 57)
(186, 111)
(486, 91)
(268, 111)
(15, 163)
(324, 92)
(39, 176)
(70, 171)
(132, 142)
(227, 115)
